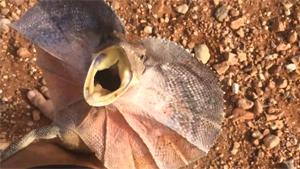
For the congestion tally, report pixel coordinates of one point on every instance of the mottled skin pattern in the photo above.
(169, 119)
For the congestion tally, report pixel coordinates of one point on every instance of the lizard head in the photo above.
(112, 71)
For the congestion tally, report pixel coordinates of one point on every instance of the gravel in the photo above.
(202, 53)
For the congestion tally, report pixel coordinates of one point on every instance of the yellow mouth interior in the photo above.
(108, 77)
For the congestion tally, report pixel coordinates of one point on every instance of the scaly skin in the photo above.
(169, 117)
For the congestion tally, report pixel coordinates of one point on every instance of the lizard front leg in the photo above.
(46, 132)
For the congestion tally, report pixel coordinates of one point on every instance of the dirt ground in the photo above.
(254, 49)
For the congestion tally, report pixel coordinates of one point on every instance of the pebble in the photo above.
(245, 104)
(115, 5)
(202, 53)
(36, 115)
(235, 88)
(242, 115)
(222, 13)
(30, 123)
(271, 141)
(221, 68)
(4, 144)
(237, 23)
(283, 47)
(182, 9)
(278, 25)
(290, 67)
(235, 148)
(258, 107)
(278, 124)
(4, 11)
(293, 37)
(241, 33)
(4, 24)
(231, 58)
(18, 2)
(234, 12)
(23, 52)
(257, 134)
(148, 29)
(242, 56)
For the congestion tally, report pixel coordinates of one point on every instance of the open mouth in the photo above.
(108, 77)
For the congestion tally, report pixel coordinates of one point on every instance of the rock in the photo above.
(293, 37)
(271, 141)
(235, 88)
(242, 56)
(4, 11)
(216, 2)
(182, 9)
(240, 32)
(4, 144)
(4, 25)
(23, 52)
(234, 12)
(18, 2)
(245, 104)
(231, 58)
(235, 148)
(278, 124)
(241, 115)
(30, 123)
(258, 107)
(148, 29)
(202, 53)
(283, 47)
(290, 67)
(221, 68)
(36, 115)
(236, 24)
(282, 83)
(115, 5)
(222, 13)
(279, 25)
(257, 134)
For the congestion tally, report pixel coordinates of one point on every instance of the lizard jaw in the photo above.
(109, 76)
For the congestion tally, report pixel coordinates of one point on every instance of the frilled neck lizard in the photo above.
(147, 104)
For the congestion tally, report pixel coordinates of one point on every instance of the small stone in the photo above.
(257, 134)
(258, 106)
(231, 58)
(283, 47)
(271, 141)
(236, 24)
(256, 142)
(235, 88)
(4, 25)
(4, 144)
(290, 67)
(18, 2)
(242, 56)
(4, 11)
(1, 91)
(221, 68)
(216, 2)
(148, 29)
(245, 104)
(242, 115)
(293, 37)
(202, 53)
(30, 123)
(278, 25)
(240, 32)
(287, 4)
(182, 9)
(36, 115)
(235, 148)
(23, 52)
(115, 5)
(234, 12)
(222, 13)
(278, 124)
(282, 83)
